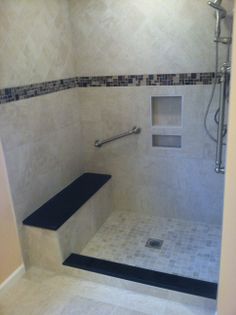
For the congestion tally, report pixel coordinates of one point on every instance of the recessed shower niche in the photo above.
(167, 111)
(166, 114)
(166, 141)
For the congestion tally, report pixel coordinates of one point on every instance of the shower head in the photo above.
(220, 14)
(216, 4)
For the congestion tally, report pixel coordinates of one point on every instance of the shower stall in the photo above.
(167, 191)
(129, 124)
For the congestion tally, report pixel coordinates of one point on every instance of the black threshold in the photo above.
(144, 276)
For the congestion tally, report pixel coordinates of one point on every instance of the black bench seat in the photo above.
(63, 205)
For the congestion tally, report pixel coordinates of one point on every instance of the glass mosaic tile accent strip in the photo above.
(27, 91)
(38, 89)
(148, 80)
(189, 249)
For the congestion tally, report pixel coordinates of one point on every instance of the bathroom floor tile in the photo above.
(59, 294)
(189, 249)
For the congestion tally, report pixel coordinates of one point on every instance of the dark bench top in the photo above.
(62, 206)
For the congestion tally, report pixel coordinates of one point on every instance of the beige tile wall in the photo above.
(42, 143)
(36, 42)
(41, 136)
(151, 36)
(177, 183)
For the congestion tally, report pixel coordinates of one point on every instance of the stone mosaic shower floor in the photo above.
(189, 249)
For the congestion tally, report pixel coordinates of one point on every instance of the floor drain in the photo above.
(154, 243)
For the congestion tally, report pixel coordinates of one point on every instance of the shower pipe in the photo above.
(224, 83)
(134, 130)
(224, 75)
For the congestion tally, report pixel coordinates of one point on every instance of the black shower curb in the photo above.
(144, 276)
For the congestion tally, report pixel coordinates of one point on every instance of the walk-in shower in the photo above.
(222, 76)
(149, 204)
(167, 210)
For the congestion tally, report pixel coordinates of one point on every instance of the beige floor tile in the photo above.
(125, 311)
(78, 305)
(42, 292)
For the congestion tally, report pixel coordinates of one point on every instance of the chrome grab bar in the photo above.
(134, 130)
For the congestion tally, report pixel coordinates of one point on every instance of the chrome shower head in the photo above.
(220, 14)
(216, 4)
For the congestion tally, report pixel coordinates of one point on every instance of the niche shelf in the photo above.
(166, 119)
(166, 141)
(166, 111)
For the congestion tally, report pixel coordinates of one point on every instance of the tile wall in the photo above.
(154, 36)
(36, 42)
(137, 37)
(52, 40)
(40, 136)
(177, 183)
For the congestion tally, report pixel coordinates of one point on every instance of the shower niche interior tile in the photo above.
(166, 111)
(166, 141)
(166, 119)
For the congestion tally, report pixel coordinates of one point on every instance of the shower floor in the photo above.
(189, 249)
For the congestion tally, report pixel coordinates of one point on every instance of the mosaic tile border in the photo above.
(27, 91)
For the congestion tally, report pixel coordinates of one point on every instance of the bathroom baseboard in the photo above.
(16, 275)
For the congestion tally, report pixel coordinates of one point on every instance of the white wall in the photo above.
(10, 254)
(227, 287)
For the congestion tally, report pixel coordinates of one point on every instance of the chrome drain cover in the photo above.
(154, 243)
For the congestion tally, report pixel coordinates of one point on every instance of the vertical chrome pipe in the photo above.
(220, 131)
(219, 145)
